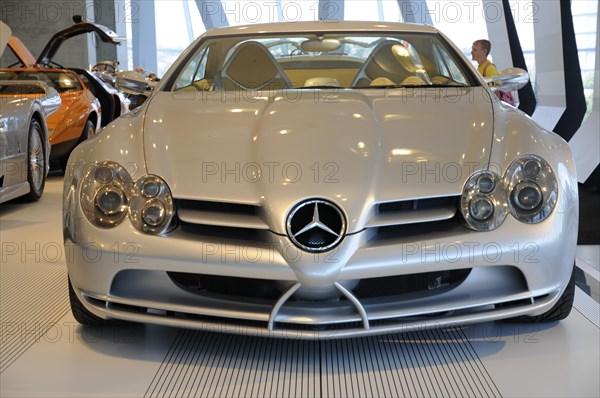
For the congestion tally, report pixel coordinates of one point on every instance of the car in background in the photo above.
(78, 117)
(88, 103)
(319, 180)
(24, 143)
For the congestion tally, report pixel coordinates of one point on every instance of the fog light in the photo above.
(481, 208)
(527, 196)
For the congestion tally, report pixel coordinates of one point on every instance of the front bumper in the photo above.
(517, 269)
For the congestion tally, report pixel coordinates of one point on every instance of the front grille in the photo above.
(429, 282)
(206, 285)
(414, 212)
(222, 234)
(221, 220)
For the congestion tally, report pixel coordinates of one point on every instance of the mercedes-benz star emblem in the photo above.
(316, 225)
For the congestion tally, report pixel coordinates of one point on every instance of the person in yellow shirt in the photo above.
(479, 53)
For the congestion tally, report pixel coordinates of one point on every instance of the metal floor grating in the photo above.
(433, 363)
(33, 298)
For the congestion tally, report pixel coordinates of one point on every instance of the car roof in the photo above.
(320, 26)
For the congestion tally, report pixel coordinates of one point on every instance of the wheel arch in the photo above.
(93, 117)
(37, 116)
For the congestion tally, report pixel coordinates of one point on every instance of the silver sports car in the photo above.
(24, 138)
(322, 180)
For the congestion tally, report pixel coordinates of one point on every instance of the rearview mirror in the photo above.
(320, 45)
(511, 79)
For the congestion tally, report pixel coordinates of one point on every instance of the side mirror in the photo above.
(511, 79)
(135, 83)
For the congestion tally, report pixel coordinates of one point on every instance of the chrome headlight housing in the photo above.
(151, 208)
(532, 188)
(105, 194)
(108, 194)
(483, 202)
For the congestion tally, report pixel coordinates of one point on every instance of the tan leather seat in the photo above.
(381, 63)
(252, 67)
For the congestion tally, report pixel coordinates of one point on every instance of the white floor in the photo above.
(44, 352)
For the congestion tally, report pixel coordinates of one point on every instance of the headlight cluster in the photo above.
(528, 190)
(151, 207)
(108, 195)
(533, 189)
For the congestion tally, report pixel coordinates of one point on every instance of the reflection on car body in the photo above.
(315, 180)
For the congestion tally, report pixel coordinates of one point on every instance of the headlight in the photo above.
(151, 209)
(532, 187)
(483, 202)
(105, 194)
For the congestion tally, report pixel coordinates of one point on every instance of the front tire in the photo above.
(83, 316)
(560, 310)
(89, 131)
(36, 161)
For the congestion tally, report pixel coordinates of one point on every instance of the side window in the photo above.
(440, 62)
(194, 71)
(448, 64)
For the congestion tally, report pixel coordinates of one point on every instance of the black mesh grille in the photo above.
(392, 207)
(230, 286)
(418, 231)
(396, 206)
(220, 207)
(315, 238)
(245, 236)
(429, 282)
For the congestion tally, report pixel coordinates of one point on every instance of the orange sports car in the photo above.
(80, 115)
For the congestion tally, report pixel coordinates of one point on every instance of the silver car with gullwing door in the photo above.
(318, 180)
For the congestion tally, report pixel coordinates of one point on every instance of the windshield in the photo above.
(61, 81)
(317, 61)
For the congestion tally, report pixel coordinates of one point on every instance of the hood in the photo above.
(104, 33)
(355, 148)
